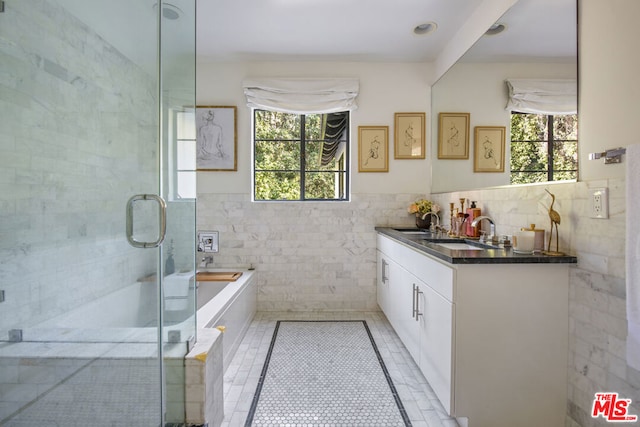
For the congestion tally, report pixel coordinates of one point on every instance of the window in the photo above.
(543, 147)
(182, 183)
(303, 157)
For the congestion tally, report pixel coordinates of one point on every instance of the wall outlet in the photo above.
(599, 203)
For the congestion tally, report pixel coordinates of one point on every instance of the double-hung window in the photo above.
(301, 157)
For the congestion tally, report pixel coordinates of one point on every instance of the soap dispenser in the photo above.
(473, 212)
(169, 265)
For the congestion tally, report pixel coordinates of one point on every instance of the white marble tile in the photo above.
(413, 389)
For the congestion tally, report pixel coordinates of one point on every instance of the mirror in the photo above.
(539, 42)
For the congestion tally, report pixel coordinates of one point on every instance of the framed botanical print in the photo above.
(216, 138)
(489, 148)
(409, 136)
(373, 148)
(453, 136)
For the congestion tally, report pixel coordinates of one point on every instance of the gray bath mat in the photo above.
(320, 373)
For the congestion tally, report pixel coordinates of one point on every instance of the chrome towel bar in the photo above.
(613, 155)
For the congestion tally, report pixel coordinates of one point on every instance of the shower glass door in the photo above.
(93, 330)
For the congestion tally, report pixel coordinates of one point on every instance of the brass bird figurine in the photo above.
(554, 216)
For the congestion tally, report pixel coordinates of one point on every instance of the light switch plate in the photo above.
(599, 203)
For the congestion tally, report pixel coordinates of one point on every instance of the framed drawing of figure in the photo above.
(453, 136)
(409, 136)
(489, 148)
(373, 148)
(216, 138)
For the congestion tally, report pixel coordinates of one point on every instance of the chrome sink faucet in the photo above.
(492, 229)
(432, 227)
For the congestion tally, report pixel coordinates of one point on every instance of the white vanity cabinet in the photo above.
(419, 312)
(491, 338)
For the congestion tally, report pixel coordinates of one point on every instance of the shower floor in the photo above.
(241, 378)
(100, 393)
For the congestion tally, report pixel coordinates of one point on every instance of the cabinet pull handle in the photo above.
(418, 292)
(413, 304)
(385, 278)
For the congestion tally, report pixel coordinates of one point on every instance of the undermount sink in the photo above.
(460, 246)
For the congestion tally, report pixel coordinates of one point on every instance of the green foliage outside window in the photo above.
(287, 166)
(543, 148)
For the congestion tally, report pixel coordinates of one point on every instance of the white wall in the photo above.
(313, 255)
(480, 89)
(608, 108)
(384, 90)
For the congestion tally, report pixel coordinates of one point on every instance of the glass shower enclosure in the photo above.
(97, 305)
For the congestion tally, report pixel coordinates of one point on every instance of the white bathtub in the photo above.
(129, 314)
(119, 329)
(233, 306)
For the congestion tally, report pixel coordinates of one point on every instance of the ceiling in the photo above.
(326, 30)
(329, 30)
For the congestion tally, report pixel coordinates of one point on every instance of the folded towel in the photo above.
(632, 251)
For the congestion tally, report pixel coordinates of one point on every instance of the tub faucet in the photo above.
(206, 261)
(432, 227)
(492, 229)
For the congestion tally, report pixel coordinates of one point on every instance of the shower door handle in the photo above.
(162, 220)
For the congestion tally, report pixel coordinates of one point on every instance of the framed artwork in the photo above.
(489, 148)
(373, 148)
(216, 138)
(453, 136)
(410, 129)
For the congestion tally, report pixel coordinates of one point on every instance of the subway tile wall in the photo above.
(597, 305)
(310, 256)
(78, 138)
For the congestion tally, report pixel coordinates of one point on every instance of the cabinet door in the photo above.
(436, 328)
(383, 278)
(406, 325)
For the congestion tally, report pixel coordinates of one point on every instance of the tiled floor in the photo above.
(241, 378)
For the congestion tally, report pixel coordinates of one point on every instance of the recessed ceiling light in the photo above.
(169, 11)
(496, 28)
(426, 28)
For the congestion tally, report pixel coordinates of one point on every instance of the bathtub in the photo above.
(130, 314)
(119, 330)
(231, 307)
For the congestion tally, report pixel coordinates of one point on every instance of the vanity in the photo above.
(487, 327)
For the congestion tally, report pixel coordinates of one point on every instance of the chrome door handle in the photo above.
(385, 278)
(418, 292)
(414, 307)
(162, 212)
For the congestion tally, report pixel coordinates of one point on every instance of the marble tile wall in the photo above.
(81, 140)
(597, 305)
(204, 394)
(310, 256)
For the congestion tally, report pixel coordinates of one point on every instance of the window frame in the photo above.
(344, 162)
(549, 142)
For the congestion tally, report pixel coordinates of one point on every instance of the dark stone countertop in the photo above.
(428, 243)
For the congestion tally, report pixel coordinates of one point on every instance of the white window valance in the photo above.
(543, 96)
(302, 95)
